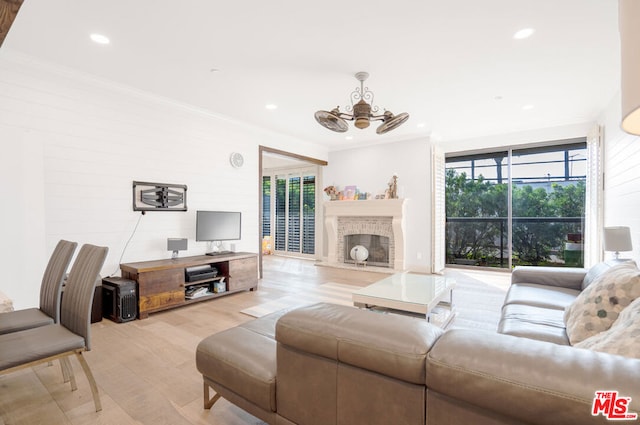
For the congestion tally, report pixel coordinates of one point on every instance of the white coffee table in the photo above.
(424, 294)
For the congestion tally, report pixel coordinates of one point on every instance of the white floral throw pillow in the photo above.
(623, 338)
(599, 304)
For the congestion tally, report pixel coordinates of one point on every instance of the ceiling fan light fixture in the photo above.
(331, 120)
(362, 112)
(392, 122)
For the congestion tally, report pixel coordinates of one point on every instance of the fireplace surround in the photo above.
(382, 217)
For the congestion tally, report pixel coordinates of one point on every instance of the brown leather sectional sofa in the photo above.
(327, 364)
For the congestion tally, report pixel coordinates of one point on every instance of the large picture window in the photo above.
(517, 207)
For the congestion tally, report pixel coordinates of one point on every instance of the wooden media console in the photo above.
(162, 284)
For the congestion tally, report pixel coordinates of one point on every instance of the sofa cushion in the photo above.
(565, 277)
(543, 324)
(553, 297)
(529, 382)
(389, 344)
(623, 338)
(598, 305)
(594, 272)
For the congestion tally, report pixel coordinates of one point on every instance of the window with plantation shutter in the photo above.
(438, 214)
(309, 215)
(289, 211)
(280, 214)
(266, 206)
(293, 244)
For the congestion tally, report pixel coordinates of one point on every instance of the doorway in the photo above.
(289, 203)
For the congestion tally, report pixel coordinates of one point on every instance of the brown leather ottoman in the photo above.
(240, 365)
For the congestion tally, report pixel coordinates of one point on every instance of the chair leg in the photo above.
(67, 372)
(92, 381)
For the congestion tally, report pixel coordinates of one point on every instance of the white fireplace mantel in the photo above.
(394, 208)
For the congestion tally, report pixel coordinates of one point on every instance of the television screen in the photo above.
(218, 225)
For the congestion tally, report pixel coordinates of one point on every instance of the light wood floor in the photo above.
(145, 369)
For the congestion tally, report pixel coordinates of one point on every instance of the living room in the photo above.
(78, 141)
(75, 140)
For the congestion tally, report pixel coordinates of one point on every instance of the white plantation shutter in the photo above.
(293, 214)
(294, 211)
(593, 220)
(438, 213)
(308, 214)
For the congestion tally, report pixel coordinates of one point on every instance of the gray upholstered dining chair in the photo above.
(72, 336)
(50, 290)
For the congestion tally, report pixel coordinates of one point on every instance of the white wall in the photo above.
(621, 176)
(541, 135)
(371, 168)
(72, 146)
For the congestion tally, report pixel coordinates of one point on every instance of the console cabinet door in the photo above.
(243, 273)
(160, 289)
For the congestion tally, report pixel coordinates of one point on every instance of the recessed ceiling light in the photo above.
(524, 33)
(100, 39)
(349, 138)
(527, 107)
(498, 97)
(271, 106)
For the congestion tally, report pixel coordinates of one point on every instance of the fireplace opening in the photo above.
(376, 245)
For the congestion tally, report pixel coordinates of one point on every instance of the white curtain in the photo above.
(438, 213)
(593, 217)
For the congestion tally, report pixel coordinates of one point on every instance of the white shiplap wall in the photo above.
(371, 168)
(72, 146)
(621, 177)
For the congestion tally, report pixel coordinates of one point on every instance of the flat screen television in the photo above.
(217, 226)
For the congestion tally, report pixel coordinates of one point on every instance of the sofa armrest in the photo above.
(389, 344)
(566, 277)
(532, 381)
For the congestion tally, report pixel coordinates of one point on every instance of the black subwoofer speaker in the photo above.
(119, 299)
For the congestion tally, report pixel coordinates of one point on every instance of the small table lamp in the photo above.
(617, 239)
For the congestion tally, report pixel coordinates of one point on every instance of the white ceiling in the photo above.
(451, 64)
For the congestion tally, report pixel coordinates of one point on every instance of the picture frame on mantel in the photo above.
(159, 196)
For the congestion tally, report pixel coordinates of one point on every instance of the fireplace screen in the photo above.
(378, 247)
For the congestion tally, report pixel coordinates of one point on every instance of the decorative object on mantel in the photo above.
(362, 112)
(159, 197)
(332, 191)
(392, 192)
(349, 193)
(629, 12)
